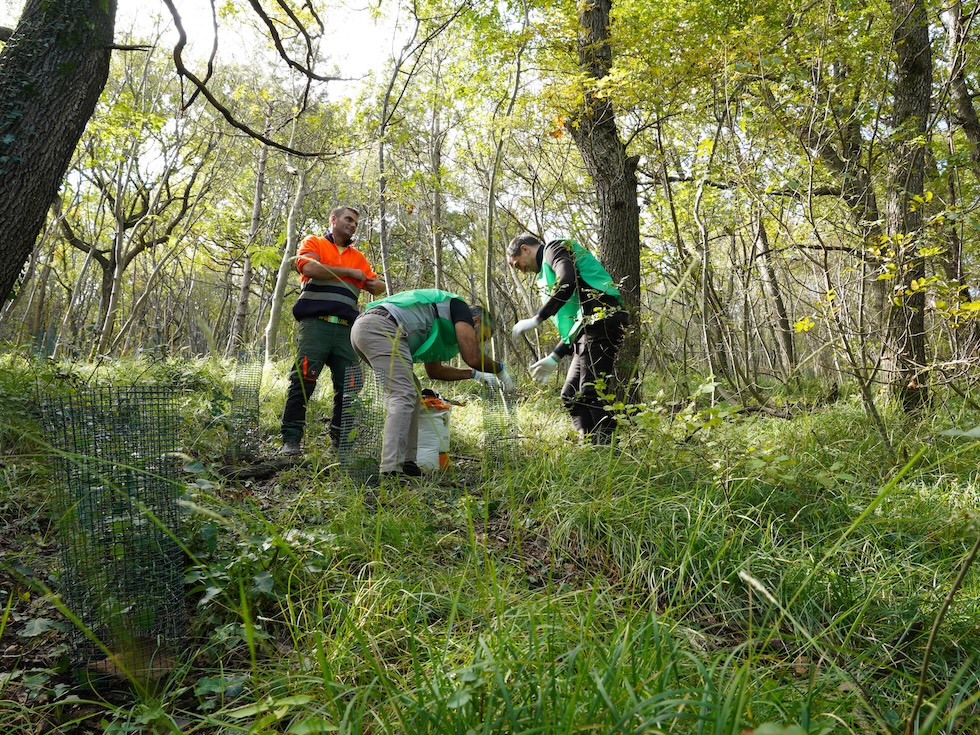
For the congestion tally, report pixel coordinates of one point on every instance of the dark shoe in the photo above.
(411, 469)
(290, 449)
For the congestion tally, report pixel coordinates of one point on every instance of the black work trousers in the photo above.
(593, 365)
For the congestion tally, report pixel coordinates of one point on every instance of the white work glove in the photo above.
(544, 368)
(488, 379)
(506, 382)
(525, 325)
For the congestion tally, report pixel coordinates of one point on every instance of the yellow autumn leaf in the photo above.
(804, 325)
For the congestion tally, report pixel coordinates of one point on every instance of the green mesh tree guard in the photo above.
(117, 498)
(362, 424)
(500, 440)
(243, 414)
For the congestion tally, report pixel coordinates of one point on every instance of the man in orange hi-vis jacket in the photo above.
(333, 273)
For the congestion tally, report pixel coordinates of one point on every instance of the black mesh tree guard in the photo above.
(500, 441)
(362, 424)
(118, 508)
(243, 414)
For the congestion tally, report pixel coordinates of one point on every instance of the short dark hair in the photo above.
(479, 312)
(526, 239)
(344, 208)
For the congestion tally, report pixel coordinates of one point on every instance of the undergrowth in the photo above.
(712, 572)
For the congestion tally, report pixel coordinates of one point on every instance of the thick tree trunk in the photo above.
(905, 335)
(613, 174)
(52, 71)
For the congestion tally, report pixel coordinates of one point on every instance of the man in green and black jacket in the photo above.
(582, 301)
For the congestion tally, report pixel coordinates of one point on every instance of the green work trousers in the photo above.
(321, 344)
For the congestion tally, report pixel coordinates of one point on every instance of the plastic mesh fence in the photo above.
(500, 441)
(362, 424)
(243, 415)
(118, 504)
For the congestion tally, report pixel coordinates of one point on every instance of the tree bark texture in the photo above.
(905, 336)
(52, 71)
(613, 172)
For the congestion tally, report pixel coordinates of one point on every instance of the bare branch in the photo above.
(125, 46)
(301, 28)
(309, 7)
(819, 191)
(408, 51)
(202, 88)
(270, 26)
(179, 23)
(686, 178)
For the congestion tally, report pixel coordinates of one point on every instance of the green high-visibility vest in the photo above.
(440, 344)
(569, 318)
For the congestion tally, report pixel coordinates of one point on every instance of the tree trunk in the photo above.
(388, 106)
(960, 93)
(437, 138)
(905, 335)
(73, 301)
(437, 224)
(613, 174)
(37, 320)
(498, 156)
(52, 71)
(286, 266)
(115, 289)
(13, 304)
(235, 338)
(125, 331)
(783, 327)
(964, 116)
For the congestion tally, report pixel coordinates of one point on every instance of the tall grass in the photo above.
(732, 576)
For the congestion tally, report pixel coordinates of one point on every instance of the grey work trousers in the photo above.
(378, 341)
